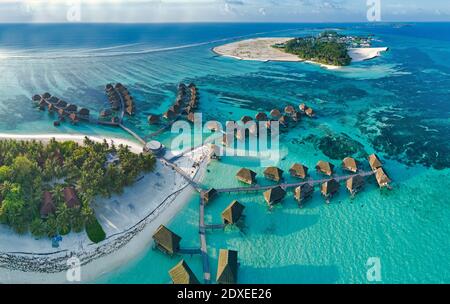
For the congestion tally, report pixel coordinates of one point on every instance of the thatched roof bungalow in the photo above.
(302, 107)
(303, 193)
(182, 274)
(70, 197)
(355, 183)
(166, 240)
(289, 110)
(275, 195)
(46, 95)
(109, 87)
(246, 176)
(61, 104)
(209, 195)
(261, 116)
(71, 108)
(54, 100)
(227, 267)
(310, 112)
(275, 113)
(325, 167)
(299, 171)
(47, 207)
(329, 188)
(245, 119)
(36, 98)
(374, 162)
(84, 112)
(382, 178)
(350, 164)
(273, 173)
(233, 213)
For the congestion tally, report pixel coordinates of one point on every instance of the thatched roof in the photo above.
(246, 176)
(298, 170)
(289, 110)
(329, 188)
(227, 267)
(46, 95)
(303, 192)
(233, 212)
(355, 183)
(71, 108)
(273, 173)
(84, 112)
(109, 87)
(350, 164)
(302, 107)
(47, 206)
(182, 274)
(209, 195)
(261, 116)
(61, 104)
(325, 167)
(383, 179)
(245, 119)
(310, 112)
(70, 197)
(374, 162)
(274, 195)
(167, 240)
(275, 113)
(37, 97)
(53, 100)
(153, 119)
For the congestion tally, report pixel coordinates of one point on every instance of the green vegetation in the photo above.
(327, 48)
(27, 169)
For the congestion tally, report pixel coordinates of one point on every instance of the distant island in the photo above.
(329, 49)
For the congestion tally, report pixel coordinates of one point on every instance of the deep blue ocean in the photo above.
(397, 105)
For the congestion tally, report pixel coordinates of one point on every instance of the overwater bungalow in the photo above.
(105, 113)
(289, 110)
(246, 176)
(303, 193)
(302, 107)
(71, 108)
(354, 184)
(275, 195)
(325, 167)
(181, 87)
(209, 195)
(169, 115)
(261, 116)
(227, 267)
(374, 162)
(245, 119)
(273, 173)
(53, 100)
(175, 109)
(36, 98)
(310, 112)
(192, 85)
(182, 274)
(232, 214)
(46, 95)
(275, 113)
(61, 104)
(119, 86)
(153, 119)
(70, 197)
(382, 178)
(186, 110)
(84, 113)
(350, 164)
(73, 118)
(329, 188)
(47, 207)
(166, 240)
(109, 87)
(299, 171)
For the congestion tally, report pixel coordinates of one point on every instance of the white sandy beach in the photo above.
(260, 49)
(152, 201)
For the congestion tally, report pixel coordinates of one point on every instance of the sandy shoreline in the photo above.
(260, 49)
(128, 237)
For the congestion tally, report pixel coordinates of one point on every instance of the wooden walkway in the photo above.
(203, 245)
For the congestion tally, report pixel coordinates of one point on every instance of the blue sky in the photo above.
(219, 10)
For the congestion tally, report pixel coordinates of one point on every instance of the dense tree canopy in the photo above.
(27, 169)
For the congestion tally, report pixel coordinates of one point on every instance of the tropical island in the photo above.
(329, 49)
(47, 189)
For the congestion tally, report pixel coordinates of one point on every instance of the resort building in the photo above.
(382, 178)
(275, 113)
(303, 193)
(227, 267)
(354, 184)
(261, 116)
(166, 241)
(182, 274)
(70, 197)
(374, 162)
(273, 173)
(275, 195)
(299, 171)
(350, 164)
(246, 176)
(232, 214)
(329, 188)
(154, 147)
(47, 207)
(209, 195)
(325, 167)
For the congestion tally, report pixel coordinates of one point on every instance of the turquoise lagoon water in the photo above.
(396, 105)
